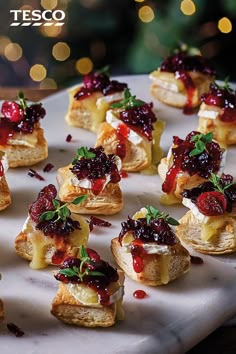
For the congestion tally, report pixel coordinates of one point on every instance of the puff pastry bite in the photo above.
(21, 137)
(181, 79)
(5, 195)
(51, 232)
(148, 250)
(189, 162)
(89, 101)
(217, 113)
(90, 292)
(95, 174)
(132, 132)
(210, 224)
(1, 306)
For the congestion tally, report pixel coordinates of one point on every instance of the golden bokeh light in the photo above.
(50, 31)
(146, 14)
(188, 7)
(49, 4)
(139, 0)
(48, 83)
(4, 41)
(84, 65)
(38, 72)
(61, 51)
(13, 51)
(225, 25)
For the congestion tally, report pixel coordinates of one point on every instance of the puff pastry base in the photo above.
(34, 246)
(108, 202)
(183, 181)
(161, 88)
(5, 196)
(224, 133)
(19, 155)
(189, 231)
(84, 113)
(157, 269)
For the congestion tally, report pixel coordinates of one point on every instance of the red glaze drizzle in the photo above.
(190, 88)
(122, 133)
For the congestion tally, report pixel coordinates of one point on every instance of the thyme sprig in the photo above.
(61, 212)
(216, 181)
(83, 269)
(153, 213)
(225, 85)
(128, 101)
(200, 141)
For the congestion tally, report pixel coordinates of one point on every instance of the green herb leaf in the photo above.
(128, 101)
(83, 152)
(47, 215)
(153, 213)
(200, 141)
(216, 181)
(105, 70)
(79, 199)
(94, 273)
(69, 272)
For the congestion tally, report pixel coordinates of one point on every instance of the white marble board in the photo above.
(172, 319)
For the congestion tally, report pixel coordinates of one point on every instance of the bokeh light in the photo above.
(84, 65)
(13, 51)
(51, 31)
(188, 7)
(61, 51)
(38, 72)
(139, 0)
(48, 83)
(146, 14)
(4, 41)
(225, 25)
(49, 4)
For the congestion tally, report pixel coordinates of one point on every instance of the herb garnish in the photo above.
(22, 100)
(216, 181)
(200, 141)
(83, 152)
(61, 212)
(83, 269)
(154, 213)
(225, 85)
(105, 70)
(128, 101)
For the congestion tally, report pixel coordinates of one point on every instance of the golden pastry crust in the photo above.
(157, 269)
(137, 158)
(34, 246)
(19, 155)
(69, 310)
(178, 97)
(1, 310)
(224, 133)
(108, 202)
(183, 181)
(5, 196)
(84, 113)
(189, 231)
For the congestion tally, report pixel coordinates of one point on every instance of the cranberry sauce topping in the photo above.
(190, 89)
(203, 163)
(96, 168)
(95, 273)
(55, 226)
(157, 230)
(182, 61)
(99, 82)
(214, 196)
(1, 169)
(18, 117)
(223, 97)
(140, 119)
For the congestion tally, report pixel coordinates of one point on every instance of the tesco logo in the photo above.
(37, 18)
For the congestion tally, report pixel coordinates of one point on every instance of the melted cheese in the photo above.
(211, 226)
(167, 80)
(164, 268)
(29, 140)
(157, 151)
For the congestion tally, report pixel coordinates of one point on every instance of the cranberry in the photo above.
(49, 192)
(211, 203)
(33, 173)
(15, 329)
(68, 138)
(98, 222)
(12, 111)
(1, 169)
(48, 167)
(139, 294)
(93, 255)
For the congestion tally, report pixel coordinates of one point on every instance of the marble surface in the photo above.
(172, 319)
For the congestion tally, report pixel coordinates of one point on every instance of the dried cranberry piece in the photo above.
(212, 203)
(40, 206)
(15, 329)
(98, 222)
(12, 111)
(49, 192)
(93, 255)
(48, 167)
